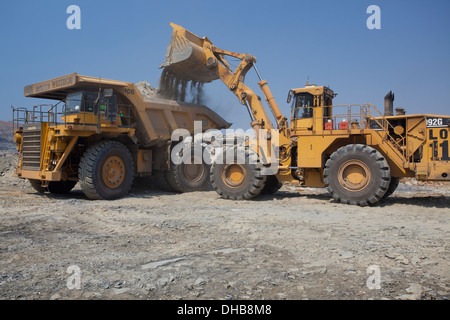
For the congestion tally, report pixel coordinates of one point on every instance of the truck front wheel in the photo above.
(106, 171)
(357, 174)
(61, 187)
(55, 187)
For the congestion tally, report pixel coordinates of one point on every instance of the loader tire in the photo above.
(237, 181)
(357, 174)
(392, 187)
(61, 187)
(37, 185)
(106, 171)
(190, 176)
(272, 185)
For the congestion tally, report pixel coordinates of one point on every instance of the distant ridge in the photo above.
(6, 136)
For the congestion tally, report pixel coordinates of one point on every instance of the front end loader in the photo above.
(358, 153)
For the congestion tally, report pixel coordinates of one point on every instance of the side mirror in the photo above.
(289, 98)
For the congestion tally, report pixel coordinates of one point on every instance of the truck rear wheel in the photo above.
(272, 185)
(237, 181)
(161, 180)
(106, 171)
(61, 187)
(357, 174)
(190, 176)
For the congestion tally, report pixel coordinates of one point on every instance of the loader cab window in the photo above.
(302, 106)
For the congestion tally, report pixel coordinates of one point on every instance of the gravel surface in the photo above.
(296, 244)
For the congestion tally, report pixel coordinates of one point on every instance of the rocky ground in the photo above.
(296, 244)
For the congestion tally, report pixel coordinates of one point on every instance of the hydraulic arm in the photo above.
(197, 59)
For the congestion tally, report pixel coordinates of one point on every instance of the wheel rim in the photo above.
(354, 175)
(194, 172)
(234, 175)
(113, 172)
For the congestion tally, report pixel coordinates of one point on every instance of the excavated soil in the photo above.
(296, 244)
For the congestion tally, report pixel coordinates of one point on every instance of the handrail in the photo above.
(399, 144)
(366, 114)
(46, 113)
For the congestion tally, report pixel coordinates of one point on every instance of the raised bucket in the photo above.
(186, 57)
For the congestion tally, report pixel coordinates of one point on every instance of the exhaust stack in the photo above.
(389, 104)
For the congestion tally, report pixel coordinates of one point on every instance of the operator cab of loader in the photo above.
(310, 107)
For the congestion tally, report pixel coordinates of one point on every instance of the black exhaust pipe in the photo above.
(389, 104)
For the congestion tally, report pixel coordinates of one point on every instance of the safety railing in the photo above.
(58, 114)
(350, 117)
(380, 120)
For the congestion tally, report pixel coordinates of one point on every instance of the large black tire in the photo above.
(106, 171)
(37, 185)
(272, 185)
(357, 174)
(188, 176)
(392, 187)
(237, 181)
(61, 187)
(160, 180)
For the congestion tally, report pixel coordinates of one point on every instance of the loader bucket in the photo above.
(186, 57)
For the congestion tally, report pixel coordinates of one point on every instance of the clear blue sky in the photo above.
(326, 40)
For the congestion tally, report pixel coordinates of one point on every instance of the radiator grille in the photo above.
(31, 147)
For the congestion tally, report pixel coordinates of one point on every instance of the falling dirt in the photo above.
(179, 89)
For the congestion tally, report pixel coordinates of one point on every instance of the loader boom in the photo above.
(212, 65)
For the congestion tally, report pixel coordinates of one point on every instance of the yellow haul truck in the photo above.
(355, 151)
(101, 134)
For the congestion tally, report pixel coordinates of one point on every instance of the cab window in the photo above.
(89, 101)
(81, 101)
(302, 106)
(74, 102)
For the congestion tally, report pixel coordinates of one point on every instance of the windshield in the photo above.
(80, 101)
(302, 106)
(74, 102)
